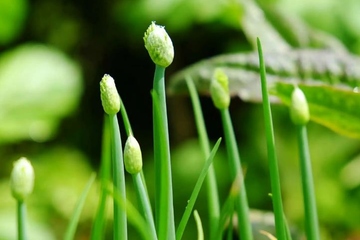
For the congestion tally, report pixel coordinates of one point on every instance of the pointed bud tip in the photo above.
(299, 108)
(22, 179)
(159, 45)
(219, 89)
(132, 156)
(109, 95)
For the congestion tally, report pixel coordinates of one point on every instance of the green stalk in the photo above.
(273, 165)
(98, 228)
(241, 203)
(145, 206)
(311, 218)
(164, 199)
(21, 219)
(212, 190)
(120, 225)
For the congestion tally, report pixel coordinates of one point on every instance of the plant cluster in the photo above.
(160, 223)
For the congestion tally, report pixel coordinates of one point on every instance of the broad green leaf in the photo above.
(318, 70)
(254, 24)
(12, 18)
(38, 86)
(335, 108)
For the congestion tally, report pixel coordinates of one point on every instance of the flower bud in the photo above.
(22, 179)
(299, 109)
(159, 45)
(110, 98)
(132, 156)
(219, 89)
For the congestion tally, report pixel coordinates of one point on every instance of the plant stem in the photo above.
(311, 218)
(120, 224)
(164, 199)
(212, 190)
(21, 218)
(144, 204)
(273, 165)
(241, 203)
(98, 228)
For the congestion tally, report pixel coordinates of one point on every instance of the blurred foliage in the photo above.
(51, 111)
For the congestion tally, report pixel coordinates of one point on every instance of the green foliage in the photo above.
(38, 86)
(12, 18)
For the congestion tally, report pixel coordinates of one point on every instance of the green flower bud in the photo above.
(299, 109)
(132, 156)
(110, 98)
(159, 45)
(219, 89)
(22, 179)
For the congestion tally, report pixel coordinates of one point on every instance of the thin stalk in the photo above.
(311, 218)
(241, 203)
(98, 228)
(273, 164)
(21, 219)
(120, 224)
(145, 206)
(164, 198)
(125, 118)
(212, 190)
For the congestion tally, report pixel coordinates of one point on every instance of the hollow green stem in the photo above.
(311, 218)
(212, 190)
(241, 202)
(273, 164)
(120, 224)
(125, 118)
(164, 210)
(21, 219)
(145, 207)
(98, 228)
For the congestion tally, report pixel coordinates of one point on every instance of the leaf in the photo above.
(71, 228)
(317, 70)
(255, 24)
(12, 18)
(335, 108)
(38, 86)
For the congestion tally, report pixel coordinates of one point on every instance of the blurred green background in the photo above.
(53, 54)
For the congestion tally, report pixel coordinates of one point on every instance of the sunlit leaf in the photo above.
(335, 108)
(38, 86)
(319, 71)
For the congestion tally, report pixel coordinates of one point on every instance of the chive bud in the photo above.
(299, 109)
(132, 156)
(219, 89)
(159, 45)
(110, 98)
(22, 179)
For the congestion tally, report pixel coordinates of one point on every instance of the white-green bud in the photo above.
(22, 179)
(219, 89)
(299, 108)
(132, 156)
(159, 45)
(109, 95)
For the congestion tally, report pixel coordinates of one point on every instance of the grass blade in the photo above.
(71, 229)
(212, 190)
(195, 192)
(273, 165)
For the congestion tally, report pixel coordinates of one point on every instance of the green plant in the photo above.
(160, 224)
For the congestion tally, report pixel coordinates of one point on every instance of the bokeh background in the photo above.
(53, 54)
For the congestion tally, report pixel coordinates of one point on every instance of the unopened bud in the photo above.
(22, 179)
(132, 156)
(219, 89)
(159, 45)
(109, 95)
(299, 109)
